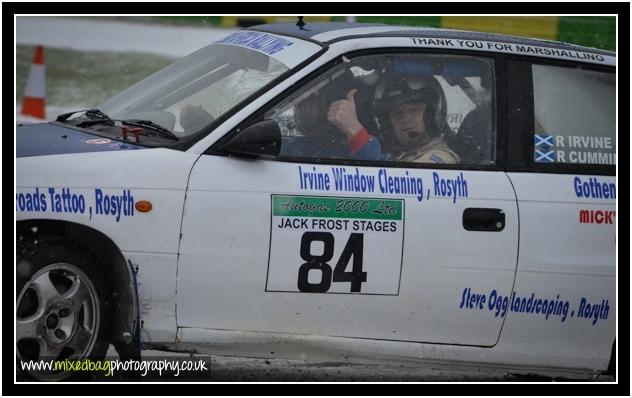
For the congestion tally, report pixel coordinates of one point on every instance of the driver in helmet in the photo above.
(412, 119)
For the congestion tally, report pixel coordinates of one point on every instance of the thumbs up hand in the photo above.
(351, 94)
(342, 114)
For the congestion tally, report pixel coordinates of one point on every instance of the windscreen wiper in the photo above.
(101, 117)
(92, 113)
(153, 126)
(145, 124)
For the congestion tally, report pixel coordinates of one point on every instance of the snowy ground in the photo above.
(240, 369)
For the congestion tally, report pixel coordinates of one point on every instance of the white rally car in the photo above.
(218, 206)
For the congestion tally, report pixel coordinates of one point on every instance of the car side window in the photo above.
(574, 116)
(399, 108)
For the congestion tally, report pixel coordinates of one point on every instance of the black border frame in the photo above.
(621, 387)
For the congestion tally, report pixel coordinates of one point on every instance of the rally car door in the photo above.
(325, 247)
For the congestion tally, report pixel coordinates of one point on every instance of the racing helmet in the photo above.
(394, 91)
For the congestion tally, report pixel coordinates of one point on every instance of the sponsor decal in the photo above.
(263, 42)
(323, 244)
(596, 216)
(513, 48)
(546, 308)
(101, 203)
(98, 141)
(594, 188)
(383, 181)
(287, 50)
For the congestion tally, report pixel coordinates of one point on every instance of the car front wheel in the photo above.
(61, 307)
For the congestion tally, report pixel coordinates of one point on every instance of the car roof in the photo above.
(329, 32)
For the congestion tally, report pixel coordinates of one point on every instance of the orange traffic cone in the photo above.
(34, 103)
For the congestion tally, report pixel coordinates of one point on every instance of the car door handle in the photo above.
(479, 219)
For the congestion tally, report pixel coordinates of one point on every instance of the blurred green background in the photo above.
(78, 79)
(591, 31)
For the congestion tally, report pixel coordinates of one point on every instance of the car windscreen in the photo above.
(190, 94)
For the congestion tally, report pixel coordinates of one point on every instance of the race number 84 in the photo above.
(353, 248)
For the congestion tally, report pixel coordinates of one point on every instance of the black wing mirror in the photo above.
(261, 138)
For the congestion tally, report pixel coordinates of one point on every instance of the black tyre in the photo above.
(62, 306)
